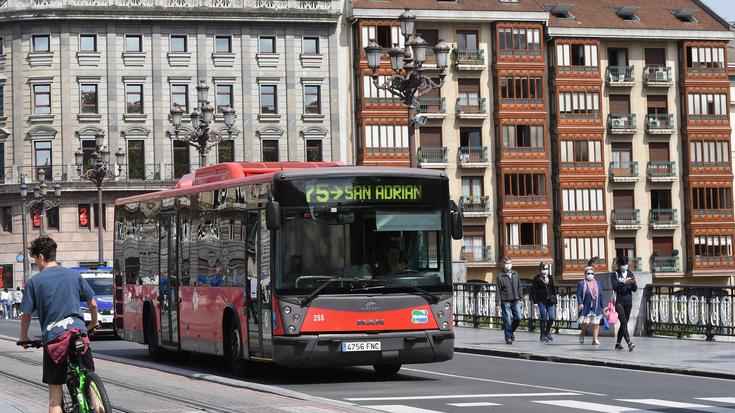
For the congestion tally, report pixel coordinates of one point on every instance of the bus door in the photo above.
(259, 287)
(168, 280)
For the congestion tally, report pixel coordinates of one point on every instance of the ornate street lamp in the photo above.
(97, 174)
(408, 83)
(41, 203)
(202, 138)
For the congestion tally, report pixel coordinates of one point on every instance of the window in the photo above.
(89, 217)
(582, 104)
(223, 44)
(134, 98)
(42, 155)
(469, 94)
(523, 136)
(472, 186)
(133, 43)
(270, 150)
(89, 147)
(371, 93)
(519, 41)
(224, 97)
(521, 89)
(2, 100)
(268, 99)
(573, 152)
(582, 202)
(467, 40)
(41, 99)
(7, 218)
(136, 159)
(314, 150)
(524, 185)
(312, 99)
(713, 246)
(267, 44)
(2, 162)
(582, 249)
(711, 198)
(52, 218)
(706, 57)
(385, 36)
(470, 137)
(226, 151)
(386, 138)
(88, 98)
(181, 158)
(179, 44)
(41, 43)
(180, 97)
(310, 45)
(526, 234)
(702, 104)
(2, 46)
(87, 42)
(709, 153)
(580, 55)
(684, 15)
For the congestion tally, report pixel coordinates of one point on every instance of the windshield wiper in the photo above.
(319, 289)
(380, 285)
(433, 298)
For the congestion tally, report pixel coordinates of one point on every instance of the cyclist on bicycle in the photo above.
(55, 293)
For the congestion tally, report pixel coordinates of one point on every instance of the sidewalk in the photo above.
(671, 355)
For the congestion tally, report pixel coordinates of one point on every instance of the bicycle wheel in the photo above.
(96, 394)
(69, 399)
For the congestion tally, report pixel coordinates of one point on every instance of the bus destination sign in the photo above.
(319, 192)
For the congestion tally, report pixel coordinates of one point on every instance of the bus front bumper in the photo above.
(322, 350)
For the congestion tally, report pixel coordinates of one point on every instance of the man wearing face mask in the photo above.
(624, 285)
(508, 296)
(589, 297)
(543, 297)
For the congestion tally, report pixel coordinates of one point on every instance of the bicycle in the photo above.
(84, 391)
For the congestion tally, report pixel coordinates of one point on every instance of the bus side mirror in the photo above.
(272, 216)
(455, 217)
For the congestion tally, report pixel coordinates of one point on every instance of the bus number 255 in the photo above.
(318, 317)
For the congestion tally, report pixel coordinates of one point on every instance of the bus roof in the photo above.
(240, 173)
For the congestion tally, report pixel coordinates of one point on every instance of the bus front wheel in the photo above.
(155, 352)
(233, 351)
(387, 369)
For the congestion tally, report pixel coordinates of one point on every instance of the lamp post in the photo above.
(202, 138)
(408, 83)
(97, 174)
(23, 195)
(41, 203)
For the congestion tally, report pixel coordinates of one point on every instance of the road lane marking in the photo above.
(594, 407)
(502, 382)
(730, 400)
(458, 396)
(399, 408)
(679, 405)
(474, 404)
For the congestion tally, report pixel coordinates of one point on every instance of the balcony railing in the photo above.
(657, 122)
(662, 169)
(706, 70)
(624, 169)
(696, 164)
(526, 198)
(579, 116)
(128, 173)
(474, 203)
(432, 155)
(659, 217)
(382, 100)
(620, 74)
(523, 149)
(578, 68)
(173, 4)
(527, 248)
(664, 264)
(519, 52)
(474, 104)
(469, 57)
(708, 117)
(472, 154)
(475, 254)
(653, 75)
(583, 213)
(432, 105)
(718, 212)
(580, 165)
(621, 122)
(626, 216)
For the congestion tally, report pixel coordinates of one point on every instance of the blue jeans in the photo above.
(547, 315)
(511, 324)
(6, 309)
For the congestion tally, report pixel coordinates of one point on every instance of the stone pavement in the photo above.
(683, 356)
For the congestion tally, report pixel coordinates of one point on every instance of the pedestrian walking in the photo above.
(624, 285)
(7, 299)
(17, 299)
(543, 297)
(508, 295)
(589, 297)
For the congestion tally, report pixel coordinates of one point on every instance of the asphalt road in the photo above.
(474, 383)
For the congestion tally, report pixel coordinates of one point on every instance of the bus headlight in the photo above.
(287, 310)
(440, 314)
(447, 306)
(291, 329)
(445, 325)
(296, 318)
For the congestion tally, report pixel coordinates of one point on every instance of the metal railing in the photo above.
(620, 74)
(474, 203)
(526, 248)
(663, 217)
(523, 149)
(432, 155)
(664, 264)
(583, 213)
(432, 105)
(676, 310)
(520, 52)
(708, 117)
(661, 169)
(659, 121)
(473, 104)
(476, 254)
(525, 198)
(469, 57)
(579, 165)
(624, 169)
(706, 70)
(621, 121)
(626, 216)
(382, 100)
(472, 154)
(578, 68)
(724, 211)
(173, 4)
(699, 164)
(657, 74)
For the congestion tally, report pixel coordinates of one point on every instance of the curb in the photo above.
(591, 362)
(262, 388)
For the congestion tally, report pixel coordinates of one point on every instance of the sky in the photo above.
(725, 8)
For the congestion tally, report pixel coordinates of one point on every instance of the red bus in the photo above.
(300, 264)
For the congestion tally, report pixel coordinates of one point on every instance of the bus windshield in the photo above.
(100, 285)
(398, 247)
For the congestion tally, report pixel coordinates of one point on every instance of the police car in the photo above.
(101, 282)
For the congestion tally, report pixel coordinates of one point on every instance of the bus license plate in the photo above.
(361, 346)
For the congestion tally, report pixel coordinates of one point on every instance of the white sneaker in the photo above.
(595, 342)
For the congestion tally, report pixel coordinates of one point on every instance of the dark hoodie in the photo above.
(541, 292)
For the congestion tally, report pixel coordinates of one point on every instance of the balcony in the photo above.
(702, 70)
(473, 157)
(578, 68)
(624, 172)
(660, 124)
(621, 123)
(713, 165)
(708, 117)
(526, 250)
(657, 76)
(475, 206)
(430, 62)
(432, 107)
(526, 199)
(523, 149)
(625, 219)
(433, 157)
(716, 214)
(475, 255)
(664, 264)
(580, 166)
(714, 261)
(662, 171)
(472, 108)
(620, 76)
(663, 219)
(583, 214)
(466, 59)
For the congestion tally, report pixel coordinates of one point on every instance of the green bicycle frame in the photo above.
(81, 400)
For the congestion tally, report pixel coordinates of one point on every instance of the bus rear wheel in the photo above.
(386, 370)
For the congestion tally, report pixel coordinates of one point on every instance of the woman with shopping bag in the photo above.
(624, 285)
